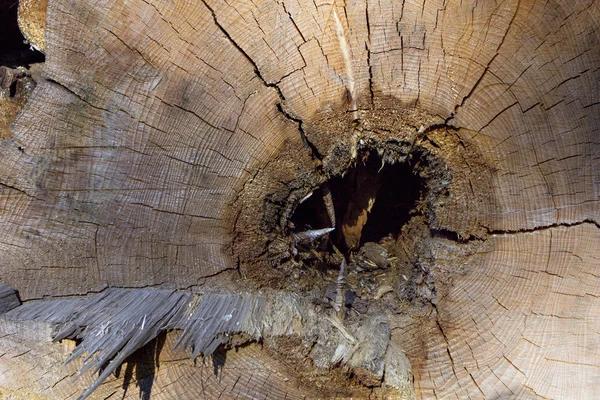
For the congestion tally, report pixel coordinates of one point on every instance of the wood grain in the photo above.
(157, 123)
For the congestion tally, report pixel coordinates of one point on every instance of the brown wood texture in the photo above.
(160, 127)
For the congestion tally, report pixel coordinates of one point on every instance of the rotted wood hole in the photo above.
(398, 195)
(393, 188)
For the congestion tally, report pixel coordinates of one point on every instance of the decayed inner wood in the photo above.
(170, 142)
(365, 184)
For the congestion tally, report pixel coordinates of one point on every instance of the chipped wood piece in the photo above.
(367, 360)
(364, 184)
(339, 325)
(9, 298)
(398, 372)
(382, 290)
(372, 256)
(302, 200)
(330, 295)
(340, 351)
(340, 291)
(7, 76)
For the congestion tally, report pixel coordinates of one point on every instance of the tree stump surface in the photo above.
(174, 145)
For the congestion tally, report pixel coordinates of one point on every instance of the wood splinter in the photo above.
(340, 292)
(309, 236)
(328, 200)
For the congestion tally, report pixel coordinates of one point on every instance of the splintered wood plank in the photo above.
(113, 325)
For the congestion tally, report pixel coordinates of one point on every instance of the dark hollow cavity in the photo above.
(392, 189)
(395, 203)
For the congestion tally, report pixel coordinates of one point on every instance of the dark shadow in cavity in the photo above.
(144, 363)
(395, 202)
(395, 187)
(218, 361)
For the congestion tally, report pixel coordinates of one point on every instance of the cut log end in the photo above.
(173, 144)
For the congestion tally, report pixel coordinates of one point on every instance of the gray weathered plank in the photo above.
(218, 316)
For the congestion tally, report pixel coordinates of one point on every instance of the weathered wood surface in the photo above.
(515, 327)
(131, 161)
(131, 158)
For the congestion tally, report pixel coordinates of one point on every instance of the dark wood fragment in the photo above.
(9, 298)
(372, 256)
